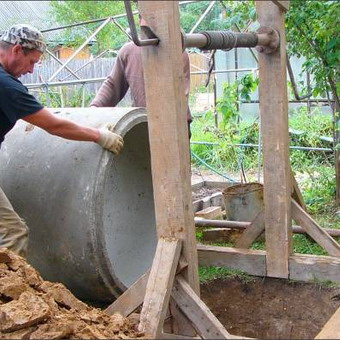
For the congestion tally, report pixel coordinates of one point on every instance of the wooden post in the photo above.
(169, 147)
(274, 130)
(168, 130)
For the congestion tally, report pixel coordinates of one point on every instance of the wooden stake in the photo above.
(159, 286)
(274, 128)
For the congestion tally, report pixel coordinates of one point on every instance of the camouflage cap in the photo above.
(24, 35)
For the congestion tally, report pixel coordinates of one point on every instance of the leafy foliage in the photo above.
(69, 12)
(313, 32)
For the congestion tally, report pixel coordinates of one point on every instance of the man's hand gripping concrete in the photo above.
(110, 140)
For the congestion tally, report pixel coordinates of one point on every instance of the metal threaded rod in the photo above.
(266, 38)
(228, 40)
(210, 40)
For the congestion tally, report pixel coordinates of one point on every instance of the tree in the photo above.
(69, 12)
(313, 32)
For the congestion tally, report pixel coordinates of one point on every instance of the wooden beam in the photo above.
(252, 262)
(282, 4)
(208, 326)
(331, 330)
(274, 131)
(251, 233)
(313, 267)
(301, 267)
(168, 130)
(131, 298)
(158, 287)
(180, 324)
(314, 230)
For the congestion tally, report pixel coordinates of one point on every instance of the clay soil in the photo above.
(267, 308)
(31, 308)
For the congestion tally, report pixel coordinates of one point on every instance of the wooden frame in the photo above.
(170, 288)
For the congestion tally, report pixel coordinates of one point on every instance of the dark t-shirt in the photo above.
(15, 102)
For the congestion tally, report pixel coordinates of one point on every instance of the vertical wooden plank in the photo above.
(274, 129)
(168, 130)
(158, 289)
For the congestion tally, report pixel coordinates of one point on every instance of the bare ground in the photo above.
(268, 308)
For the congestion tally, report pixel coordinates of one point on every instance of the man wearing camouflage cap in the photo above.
(21, 47)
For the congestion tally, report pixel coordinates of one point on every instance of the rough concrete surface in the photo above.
(31, 308)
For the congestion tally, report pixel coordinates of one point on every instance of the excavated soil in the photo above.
(267, 308)
(31, 308)
(263, 308)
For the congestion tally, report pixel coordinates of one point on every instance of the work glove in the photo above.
(110, 140)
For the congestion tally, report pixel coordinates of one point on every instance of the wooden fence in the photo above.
(99, 68)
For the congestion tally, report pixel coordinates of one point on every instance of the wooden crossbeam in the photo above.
(253, 262)
(159, 286)
(250, 261)
(314, 230)
(274, 128)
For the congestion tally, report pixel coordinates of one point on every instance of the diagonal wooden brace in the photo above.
(195, 309)
(132, 298)
(251, 233)
(314, 230)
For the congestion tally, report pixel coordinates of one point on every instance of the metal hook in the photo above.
(133, 30)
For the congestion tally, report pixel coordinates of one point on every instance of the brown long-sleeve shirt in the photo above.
(128, 73)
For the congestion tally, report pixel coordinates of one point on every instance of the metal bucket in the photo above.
(90, 213)
(243, 201)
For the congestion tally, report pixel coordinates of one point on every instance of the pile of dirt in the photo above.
(31, 308)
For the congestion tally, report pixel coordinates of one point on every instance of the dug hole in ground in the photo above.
(263, 307)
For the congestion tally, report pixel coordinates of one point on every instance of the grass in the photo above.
(208, 274)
